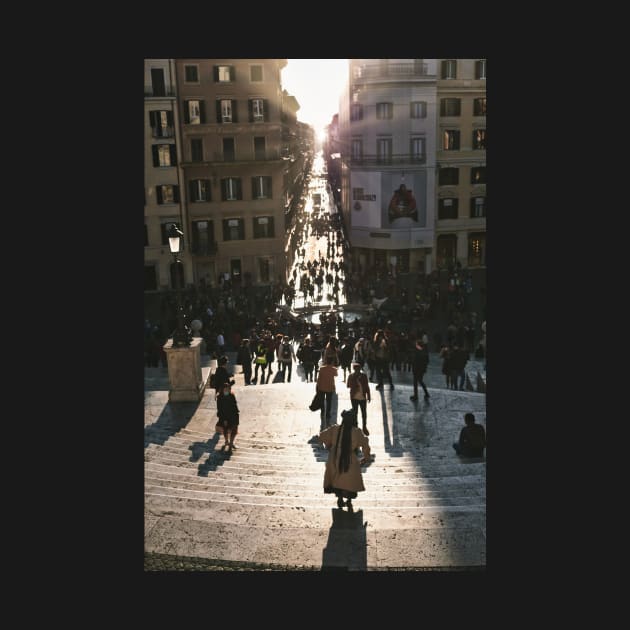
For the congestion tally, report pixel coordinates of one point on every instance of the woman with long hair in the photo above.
(343, 475)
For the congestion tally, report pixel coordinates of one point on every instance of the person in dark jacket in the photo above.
(360, 393)
(228, 413)
(221, 375)
(459, 358)
(244, 357)
(420, 361)
(308, 358)
(472, 438)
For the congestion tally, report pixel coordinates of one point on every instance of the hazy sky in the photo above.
(317, 85)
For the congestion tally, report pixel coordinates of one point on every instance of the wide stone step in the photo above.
(422, 506)
(311, 462)
(295, 537)
(248, 483)
(281, 497)
(382, 478)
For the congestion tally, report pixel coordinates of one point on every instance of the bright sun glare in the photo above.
(317, 85)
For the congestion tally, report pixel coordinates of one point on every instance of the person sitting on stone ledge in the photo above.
(472, 438)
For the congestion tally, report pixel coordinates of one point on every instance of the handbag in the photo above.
(317, 402)
(219, 428)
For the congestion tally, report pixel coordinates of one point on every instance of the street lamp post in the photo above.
(181, 335)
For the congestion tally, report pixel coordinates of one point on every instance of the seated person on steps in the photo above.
(472, 438)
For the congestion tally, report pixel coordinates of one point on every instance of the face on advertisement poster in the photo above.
(402, 200)
(402, 204)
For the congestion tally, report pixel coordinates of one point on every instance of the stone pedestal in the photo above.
(184, 372)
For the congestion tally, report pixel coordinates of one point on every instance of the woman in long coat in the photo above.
(343, 468)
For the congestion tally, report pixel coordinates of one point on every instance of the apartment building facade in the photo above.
(419, 123)
(461, 199)
(163, 203)
(224, 158)
(387, 141)
(239, 159)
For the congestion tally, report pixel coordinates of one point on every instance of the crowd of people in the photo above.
(272, 341)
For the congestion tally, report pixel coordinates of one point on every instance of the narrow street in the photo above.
(317, 248)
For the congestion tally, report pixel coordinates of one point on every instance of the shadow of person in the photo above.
(346, 547)
(197, 449)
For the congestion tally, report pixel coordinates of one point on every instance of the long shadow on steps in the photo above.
(174, 417)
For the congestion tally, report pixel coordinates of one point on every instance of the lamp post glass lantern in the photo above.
(181, 335)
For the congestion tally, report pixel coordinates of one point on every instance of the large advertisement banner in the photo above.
(389, 201)
(403, 200)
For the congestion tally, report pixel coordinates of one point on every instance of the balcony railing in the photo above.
(386, 160)
(372, 71)
(162, 132)
(209, 249)
(270, 154)
(149, 91)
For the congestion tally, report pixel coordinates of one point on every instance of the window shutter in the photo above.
(219, 112)
(215, 73)
(226, 230)
(176, 194)
(266, 112)
(173, 152)
(272, 231)
(224, 190)
(234, 111)
(254, 195)
(268, 181)
(477, 69)
(239, 189)
(156, 156)
(250, 109)
(202, 112)
(191, 190)
(241, 229)
(232, 73)
(153, 118)
(169, 118)
(195, 236)
(186, 113)
(158, 190)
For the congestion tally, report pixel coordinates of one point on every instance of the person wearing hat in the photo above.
(343, 475)
(360, 393)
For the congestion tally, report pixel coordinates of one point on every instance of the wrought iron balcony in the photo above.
(162, 132)
(385, 160)
(379, 71)
(167, 92)
(208, 249)
(270, 154)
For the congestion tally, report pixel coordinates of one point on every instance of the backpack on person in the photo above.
(286, 351)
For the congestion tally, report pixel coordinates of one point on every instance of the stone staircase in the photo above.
(263, 503)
